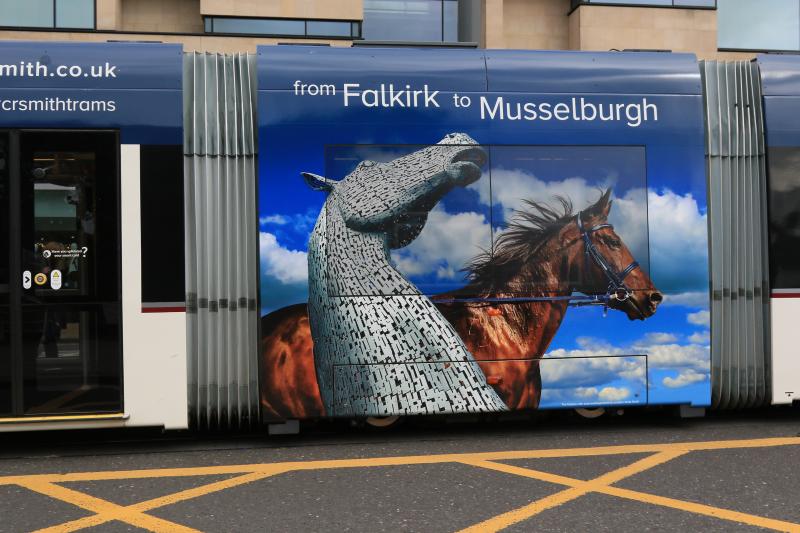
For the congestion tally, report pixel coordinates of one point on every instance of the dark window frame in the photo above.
(575, 4)
(208, 28)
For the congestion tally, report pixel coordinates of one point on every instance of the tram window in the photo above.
(162, 224)
(784, 217)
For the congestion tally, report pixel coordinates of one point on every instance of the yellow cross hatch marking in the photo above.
(577, 488)
(136, 514)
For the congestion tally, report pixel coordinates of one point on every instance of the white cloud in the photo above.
(575, 371)
(588, 393)
(301, 223)
(660, 338)
(613, 394)
(678, 242)
(512, 186)
(700, 337)
(629, 218)
(700, 318)
(445, 245)
(660, 356)
(663, 356)
(687, 299)
(684, 378)
(587, 396)
(278, 220)
(287, 266)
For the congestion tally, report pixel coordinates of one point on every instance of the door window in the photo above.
(60, 313)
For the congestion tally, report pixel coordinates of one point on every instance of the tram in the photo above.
(232, 240)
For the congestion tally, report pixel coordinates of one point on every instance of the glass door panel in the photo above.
(69, 236)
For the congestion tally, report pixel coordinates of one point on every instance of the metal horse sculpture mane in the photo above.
(380, 346)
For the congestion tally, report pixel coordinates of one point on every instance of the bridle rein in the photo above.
(616, 280)
(616, 290)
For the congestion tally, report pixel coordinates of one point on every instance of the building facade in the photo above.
(722, 29)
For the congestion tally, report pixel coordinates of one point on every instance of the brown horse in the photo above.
(507, 314)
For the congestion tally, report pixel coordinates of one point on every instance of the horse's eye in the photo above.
(612, 242)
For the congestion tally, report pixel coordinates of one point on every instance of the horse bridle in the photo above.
(616, 290)
(616, 280)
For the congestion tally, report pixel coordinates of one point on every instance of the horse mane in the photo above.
(525, 235)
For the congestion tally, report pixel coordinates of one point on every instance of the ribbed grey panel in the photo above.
(221, 238)
(737, 219)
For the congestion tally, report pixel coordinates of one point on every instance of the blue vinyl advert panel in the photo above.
(434, 225)
(135, 87)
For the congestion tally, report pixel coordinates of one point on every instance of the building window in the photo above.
(748, 25)
(651, 3)
(328, 29)
(64, 14)
(411, 20)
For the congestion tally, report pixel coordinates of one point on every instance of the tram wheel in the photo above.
(382, 422)
(593, 412)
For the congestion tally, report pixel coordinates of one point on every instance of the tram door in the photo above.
(60, 323)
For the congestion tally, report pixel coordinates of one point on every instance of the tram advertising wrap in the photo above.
(133, 86)
(449, 231)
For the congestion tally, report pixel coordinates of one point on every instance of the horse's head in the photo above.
(396, 196)
(605, 264)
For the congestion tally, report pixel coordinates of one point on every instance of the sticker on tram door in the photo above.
(27, 277)
(40, 278)
(55, 280)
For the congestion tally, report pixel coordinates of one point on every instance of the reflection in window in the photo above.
(78, 14)
(667, 3)
(284, 27)
(784, 217)
(773, 25)
(27, 13)
(411, 20)
(74, 13)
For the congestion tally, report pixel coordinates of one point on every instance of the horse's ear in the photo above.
(317, 182)
(602, 207)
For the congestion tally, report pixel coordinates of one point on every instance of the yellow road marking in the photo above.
(100, 506)
(135, 514)
(602, 485)
(577, 488)
(149, 505)
(707, 510)
(402, 460)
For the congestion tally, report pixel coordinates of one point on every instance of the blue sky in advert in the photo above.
(655, 170)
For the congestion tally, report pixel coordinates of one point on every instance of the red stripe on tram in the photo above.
(174, 309)
(785, 295)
